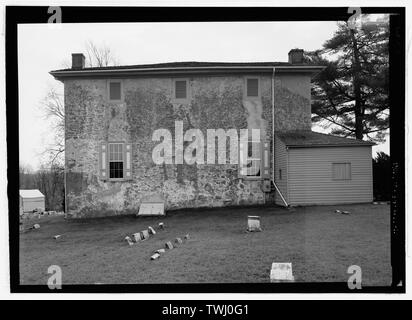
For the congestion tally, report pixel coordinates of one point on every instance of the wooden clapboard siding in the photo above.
(281, 162)
(29, 204)
(310, 175)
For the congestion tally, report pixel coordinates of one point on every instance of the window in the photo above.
(115, 90)
(341, 171)
(180, 89)
(252, 87)
(116, 160)
(280, 174)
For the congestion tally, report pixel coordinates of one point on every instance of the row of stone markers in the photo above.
(143, 235)
(169, 246)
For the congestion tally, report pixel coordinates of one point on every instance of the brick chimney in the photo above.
(296, 56)
(78, 60)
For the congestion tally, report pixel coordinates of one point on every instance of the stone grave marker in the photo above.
(137, 237)
(169, 245)
(253, 223)
(281, 272)
(153, 205)
(144, 234)
(129, 241)
(155, 256)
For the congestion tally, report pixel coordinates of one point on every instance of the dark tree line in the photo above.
(382, 177)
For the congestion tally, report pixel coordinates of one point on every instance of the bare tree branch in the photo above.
(99, 56)
(53, 103)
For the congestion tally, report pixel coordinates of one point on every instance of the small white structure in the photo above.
(31, 199)
(152, 206)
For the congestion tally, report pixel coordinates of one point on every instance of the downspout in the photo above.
(273, 139)
(273, 125)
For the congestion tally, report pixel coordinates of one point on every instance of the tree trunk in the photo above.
(356, 88)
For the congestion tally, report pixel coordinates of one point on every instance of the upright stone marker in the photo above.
(169, 245)
(137, 237)
(144, 234)
(281, 272)
(253, 223)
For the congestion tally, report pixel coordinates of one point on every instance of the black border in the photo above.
(38, 14)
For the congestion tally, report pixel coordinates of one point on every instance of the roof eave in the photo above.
(60, 75)
(331, 145)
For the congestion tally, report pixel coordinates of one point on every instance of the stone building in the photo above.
(112, 114)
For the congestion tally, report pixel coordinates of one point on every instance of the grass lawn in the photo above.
(320, 243)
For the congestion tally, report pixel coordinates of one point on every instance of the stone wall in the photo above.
(216, 102)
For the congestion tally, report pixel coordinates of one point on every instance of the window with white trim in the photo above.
(116, 161)
(341, 171)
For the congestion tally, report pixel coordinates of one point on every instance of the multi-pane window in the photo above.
(181, 89)
(252, 87)
(253, 160)
(116, 161)
(115, 90)
(341, 171)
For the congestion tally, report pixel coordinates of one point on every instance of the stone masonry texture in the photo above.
(215, 102)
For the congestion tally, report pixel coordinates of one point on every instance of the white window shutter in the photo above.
(243, 151)
(127, 168)
(104, 172)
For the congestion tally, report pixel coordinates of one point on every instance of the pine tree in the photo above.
(351, 95)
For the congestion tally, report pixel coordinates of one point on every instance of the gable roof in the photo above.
(185, 67)
(31, 193)
(307, 138)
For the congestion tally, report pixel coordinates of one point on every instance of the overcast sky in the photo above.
(42, 48)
